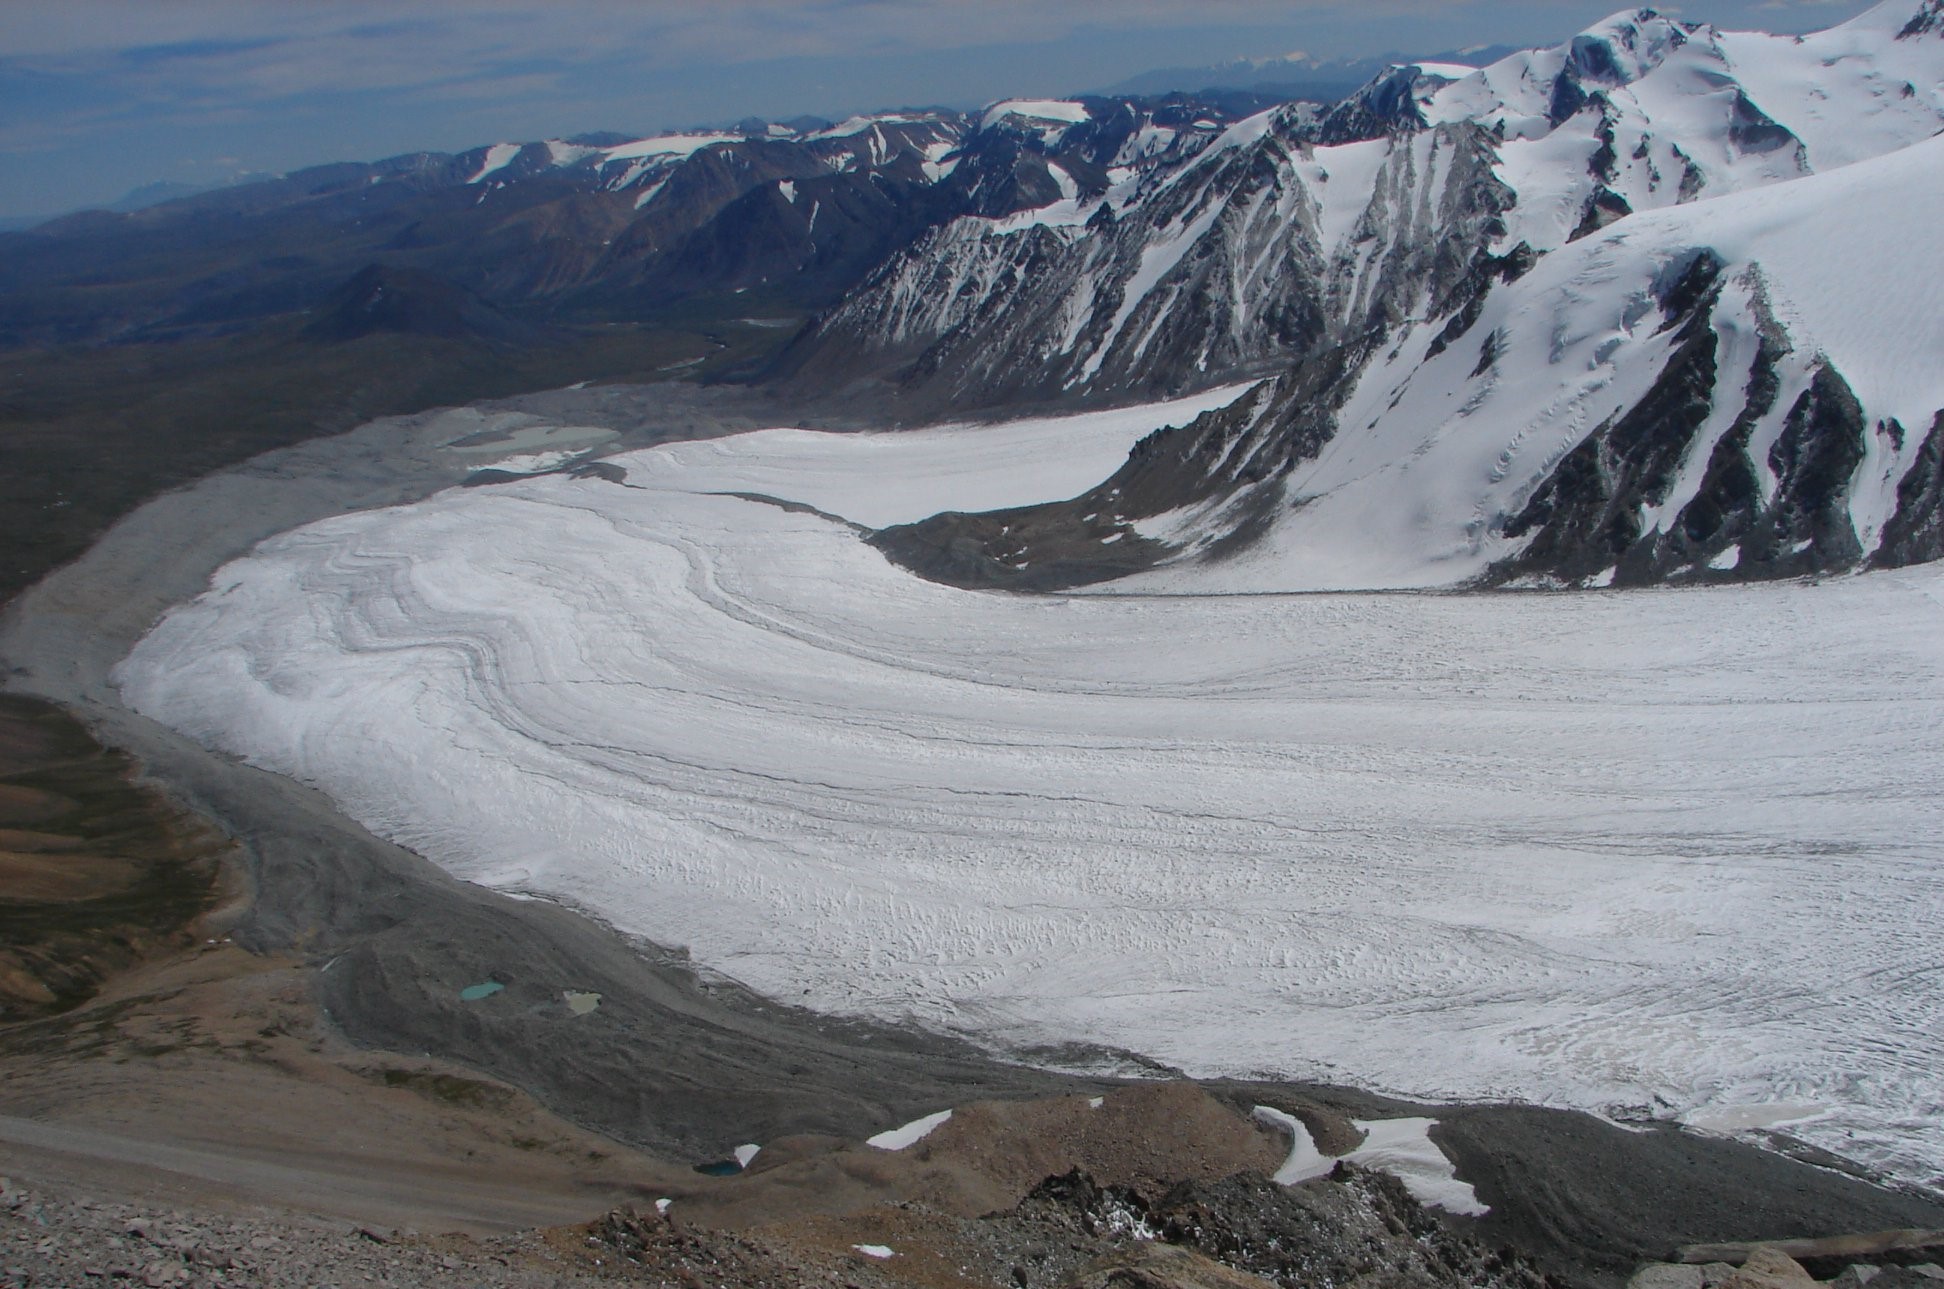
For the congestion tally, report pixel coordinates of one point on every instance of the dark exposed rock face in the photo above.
(1602, 208)
(1388, 105)
(1587, 516)
(1753, 130)
(1224, 270)
(1916, 532)
(1591, 514)
(1822, 443)
(1928, 20)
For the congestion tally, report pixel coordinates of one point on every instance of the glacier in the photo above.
(1666, 853)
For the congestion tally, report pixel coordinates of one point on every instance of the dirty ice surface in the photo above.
(1645, 852)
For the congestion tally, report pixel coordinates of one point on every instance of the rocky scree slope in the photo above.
(1712, 409)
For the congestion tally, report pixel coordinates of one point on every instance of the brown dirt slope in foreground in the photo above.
(213, 1078)
(96, 871)
(154, 1135)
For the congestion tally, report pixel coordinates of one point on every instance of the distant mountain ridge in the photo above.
(594, 228)
(154, 194)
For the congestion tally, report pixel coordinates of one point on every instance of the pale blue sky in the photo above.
(99, 96)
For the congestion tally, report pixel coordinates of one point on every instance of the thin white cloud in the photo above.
(205, 59)
(297, 81)
(213, 56)
(661, 30)
(256, 51)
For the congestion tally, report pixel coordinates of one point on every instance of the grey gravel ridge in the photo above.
(50, 1238)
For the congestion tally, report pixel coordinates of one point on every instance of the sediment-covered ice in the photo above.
(1668, 850)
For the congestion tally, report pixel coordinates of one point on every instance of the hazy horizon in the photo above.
(106, 96)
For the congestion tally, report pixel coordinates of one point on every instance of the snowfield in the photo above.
(1672, 852)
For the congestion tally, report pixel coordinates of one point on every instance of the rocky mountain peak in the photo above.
(1928, 20)
(1392, 101)
(1625, 47)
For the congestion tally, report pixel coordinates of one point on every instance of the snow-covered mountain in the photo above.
(1225, 260)
(796, 206)
(1583, 298)
(1074, 250)
(681, 214)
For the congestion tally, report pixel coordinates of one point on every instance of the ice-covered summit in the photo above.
(1625, 47)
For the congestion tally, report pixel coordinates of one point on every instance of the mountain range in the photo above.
(1637, 308)
(1645, 306)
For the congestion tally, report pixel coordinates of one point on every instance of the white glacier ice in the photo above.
(1668, 850)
